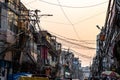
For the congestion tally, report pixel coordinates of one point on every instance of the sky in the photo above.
(73, 22)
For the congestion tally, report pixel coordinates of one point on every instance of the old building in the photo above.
(10, 31)
(108, 45)
(25, 48)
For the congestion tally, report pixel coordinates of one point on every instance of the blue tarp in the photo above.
(17, 76)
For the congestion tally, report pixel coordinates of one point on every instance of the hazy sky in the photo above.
(75, 19)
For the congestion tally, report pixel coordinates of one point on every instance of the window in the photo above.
(13, 4)
(13, 22)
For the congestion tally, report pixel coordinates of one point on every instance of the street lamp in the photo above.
(102, 33)
(98, 27)
(46, 15)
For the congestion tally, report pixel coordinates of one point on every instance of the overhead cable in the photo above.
(90, 17)
(77, 53)
(73, 46)
(82, 55)
(30, 2)
(82, 20)
(66, 40)
(73, 39)
(68, 20)
(87, 47)
(74, 6)
(56, 22)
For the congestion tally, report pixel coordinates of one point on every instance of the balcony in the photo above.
(7, 36)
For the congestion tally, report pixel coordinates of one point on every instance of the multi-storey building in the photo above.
(77, 72)
(10, 32)
(109, 46)
(111, 30)
(66, 63)
(25, 48)
(86, 72)
(70, 65)
(50, 52)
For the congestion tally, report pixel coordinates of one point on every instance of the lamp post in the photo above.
(98, 27)
(102, 33)
(46, 15)
(101, 56)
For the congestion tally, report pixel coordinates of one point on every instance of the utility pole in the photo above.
(36, 18)
(33, 18)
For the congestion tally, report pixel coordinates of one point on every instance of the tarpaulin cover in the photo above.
(33, 78)
(17, 76)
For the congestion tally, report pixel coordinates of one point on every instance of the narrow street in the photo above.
(31, 51)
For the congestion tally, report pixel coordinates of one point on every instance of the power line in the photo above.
(56, 22)
(68, 41)
(74, 6)
(89, 17)
(68, 19)
(30, 2)
(86, 47)
(66, 23)
(82, 55)
(78, 53)
(76, 44)
(74, 39)
(69, 45)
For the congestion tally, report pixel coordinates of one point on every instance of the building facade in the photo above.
(107, 54)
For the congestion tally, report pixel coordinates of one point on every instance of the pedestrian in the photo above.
(92, 78)
(104, 78)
